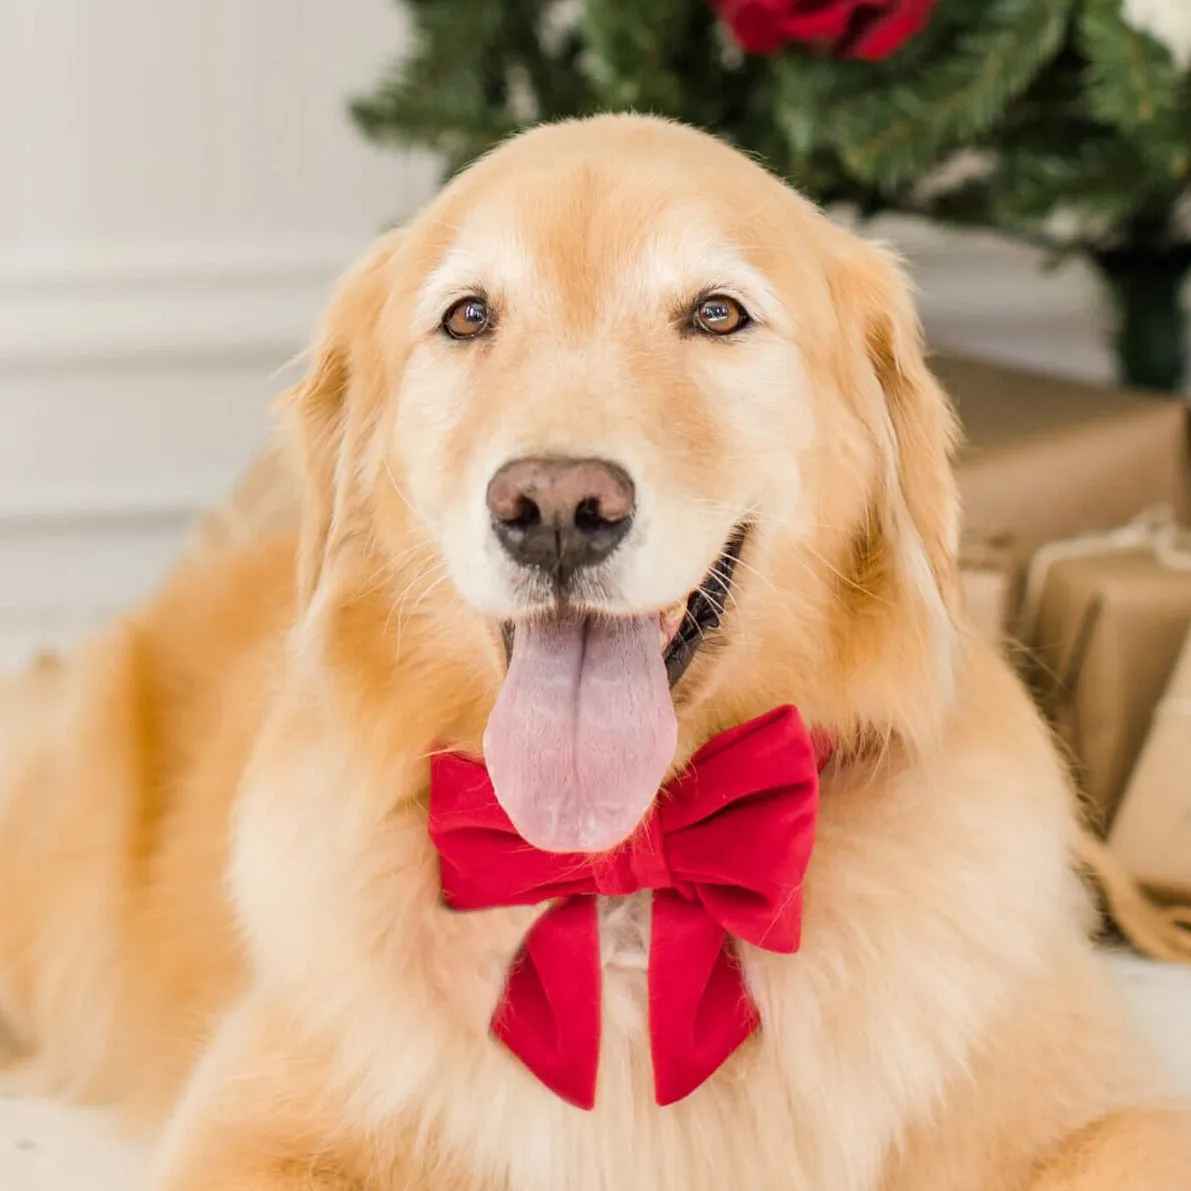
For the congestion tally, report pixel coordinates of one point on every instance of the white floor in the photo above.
(44, 1147)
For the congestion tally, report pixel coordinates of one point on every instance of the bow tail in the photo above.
(700, 1010)
(549, 1015)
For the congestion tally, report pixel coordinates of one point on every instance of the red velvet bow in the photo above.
(725, 852)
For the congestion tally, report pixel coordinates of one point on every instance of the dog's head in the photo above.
(633, 433)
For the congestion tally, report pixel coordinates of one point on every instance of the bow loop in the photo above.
(550, 1010)
(746, 857)
(725, 852)
(483, 862)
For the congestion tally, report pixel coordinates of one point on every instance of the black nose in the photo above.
(560, 514)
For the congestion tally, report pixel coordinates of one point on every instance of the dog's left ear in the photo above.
(920, 491)
(914, 511)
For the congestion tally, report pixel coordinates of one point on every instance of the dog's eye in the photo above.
(719, 315)
(467, 318)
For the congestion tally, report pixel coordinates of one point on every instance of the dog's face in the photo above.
(639, 403)
(604, 390)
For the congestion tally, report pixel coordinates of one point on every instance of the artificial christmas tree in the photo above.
(1066, 123)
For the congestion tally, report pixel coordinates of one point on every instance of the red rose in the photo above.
(850, 28)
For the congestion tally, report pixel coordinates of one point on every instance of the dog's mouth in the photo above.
(692, 623)
(584, 728)
(689, 624)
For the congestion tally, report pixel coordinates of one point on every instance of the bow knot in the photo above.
(639, 863)
(724, 851)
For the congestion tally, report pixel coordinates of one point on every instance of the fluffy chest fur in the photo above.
(906, 963)
(920, 936)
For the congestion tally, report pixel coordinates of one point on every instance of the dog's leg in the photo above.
(26, 703)
(70, 783)
(1133, 1150)
(259, 1153)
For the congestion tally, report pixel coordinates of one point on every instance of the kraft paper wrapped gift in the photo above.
(991, 574)
(1103, 619)
(1047, 458)
(1151, 834)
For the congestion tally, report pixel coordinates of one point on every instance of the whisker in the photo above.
(400, 603)
(398, 489)
(752, 570)
(433, 586)
(395, 562)
(697, 626)
(719, 608)
(847, 579)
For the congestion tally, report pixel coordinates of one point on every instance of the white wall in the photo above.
(179, 183)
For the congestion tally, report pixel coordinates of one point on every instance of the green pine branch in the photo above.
(1134, 85)
(889, 138)
(1076, 112)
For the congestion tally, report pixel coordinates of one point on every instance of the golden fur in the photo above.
(218, 904)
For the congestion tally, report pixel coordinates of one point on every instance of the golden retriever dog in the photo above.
(619, 444)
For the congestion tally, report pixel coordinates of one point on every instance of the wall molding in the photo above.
(150, 507)
(176, 301)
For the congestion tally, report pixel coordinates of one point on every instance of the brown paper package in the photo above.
(1151, 834)
(991, 577)
(1102, 648)
(1046, 458)
(986, 594)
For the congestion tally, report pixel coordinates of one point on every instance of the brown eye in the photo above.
(719, 315)
(468, 318)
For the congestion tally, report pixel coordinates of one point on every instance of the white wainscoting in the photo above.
(180, 185)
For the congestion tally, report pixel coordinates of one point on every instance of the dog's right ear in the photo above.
(328, 412)
(316, 409)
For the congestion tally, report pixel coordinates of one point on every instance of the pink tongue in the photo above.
(583, 731)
